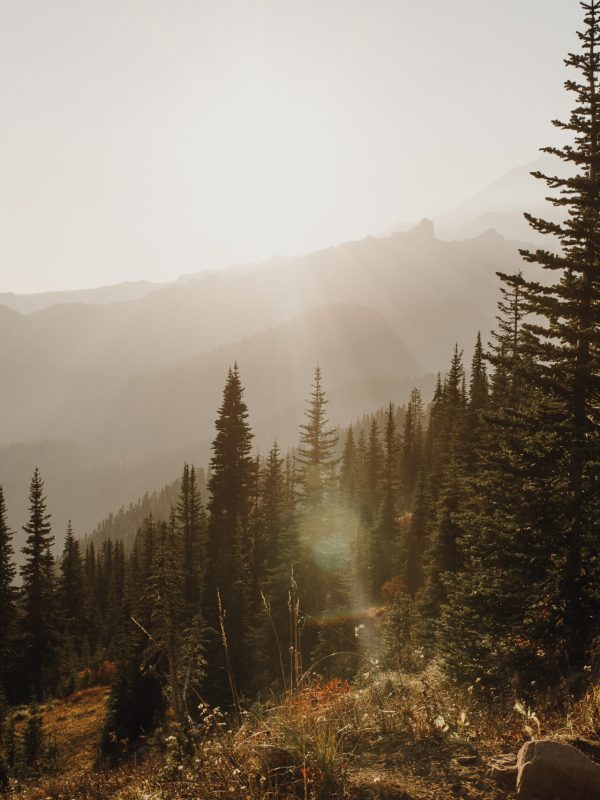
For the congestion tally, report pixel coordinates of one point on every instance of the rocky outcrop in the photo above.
(547, 770)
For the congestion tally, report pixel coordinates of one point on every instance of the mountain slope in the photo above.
(500, 206)
(353, 344)
(83, 485)
(119, 293)
(61, 366)
(126, 391)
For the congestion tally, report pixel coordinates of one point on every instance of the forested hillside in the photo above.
(377, 314)
(390, 599)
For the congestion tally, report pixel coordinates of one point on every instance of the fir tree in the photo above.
(71, 588)
(167, 616)
(412, 445)
(500, 605)
(478, 398)
(7, 596)
(39, 605)
(566, 340)
(316, 454)
(385, 535)
(282, 561)
(191, 520)
(443, 554)
(349, 470)
(415, 544)
(228, 552)
(319, 515)
(72, 611)
(372, 475)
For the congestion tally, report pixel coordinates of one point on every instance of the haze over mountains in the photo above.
(500, 207)
(113, 388)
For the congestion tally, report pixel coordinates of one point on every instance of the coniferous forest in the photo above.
(419, 589)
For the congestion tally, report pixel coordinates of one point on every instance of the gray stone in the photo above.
(548, 770)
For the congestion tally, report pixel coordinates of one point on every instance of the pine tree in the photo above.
(71, 607)
(228, 552)
(434, 440)
(412, 445)
(478, 398)
(415, 544)
(507, 352)
(92, 616)
(500, 605)
(7, 596)
(282, 560)
(349, 470)
(316, 454)
(167, 617)
(273, 506)
(443, 554)
(566, 340)
(257, 542)
(136, 702)
(320, 531)
(71, 588)
(191, 520)
(39, 604)
(385, 535)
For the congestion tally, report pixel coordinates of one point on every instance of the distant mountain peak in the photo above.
(491, 234)
(425, 229)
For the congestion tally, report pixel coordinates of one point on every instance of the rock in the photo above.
(547, 770)
(503, 769)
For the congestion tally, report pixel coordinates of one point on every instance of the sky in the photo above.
(144, 139)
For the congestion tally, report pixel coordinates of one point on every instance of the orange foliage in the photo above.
(103, 675)
(393, 589)
(320, 695)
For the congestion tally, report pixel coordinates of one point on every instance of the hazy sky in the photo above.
(148, 138)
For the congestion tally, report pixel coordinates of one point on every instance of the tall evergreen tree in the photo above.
(191, 521)
(7, 596)
(385, 535)
(349, 470)
(414, 545)
(412, 445)
(318, 516)
(477, 402)
(443, 555)
(372, 475)
(282, 561)
(72, 610)
(566, 340)
(39, 622)
(228, 552)
(500, 605)
(167, 616)
(316, 454)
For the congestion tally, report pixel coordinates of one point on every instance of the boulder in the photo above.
(548, 770)
(503, 769)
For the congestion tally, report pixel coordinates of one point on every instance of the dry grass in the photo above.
(388, 735)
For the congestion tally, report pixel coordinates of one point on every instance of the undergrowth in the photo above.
(310, 745)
